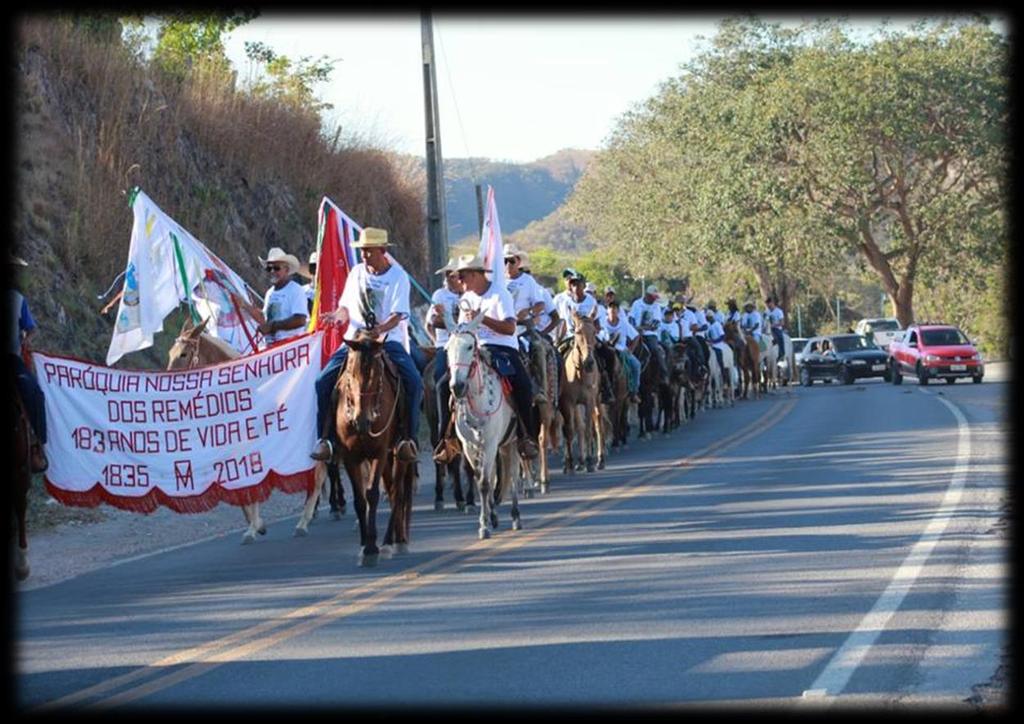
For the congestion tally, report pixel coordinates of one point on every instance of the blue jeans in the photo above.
(31, 397)
(777, 334)
(411, 380)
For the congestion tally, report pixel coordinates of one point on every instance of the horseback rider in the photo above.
(447, 296)
(548, 318)
(646, 316)
(23, 326)
(497, 335)
(375, 290)
(624, 338)
(776, 318)
(285, 305)
(751, 321)
(528, 302)
(576, 300)
(604, 352)
(715, 333)
(734, 313)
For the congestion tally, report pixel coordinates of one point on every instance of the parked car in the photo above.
(934, 351)
(882, 331)
(798, 349)
(844, 357)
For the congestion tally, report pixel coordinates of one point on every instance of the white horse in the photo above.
(485, 423)
(713, 394)
(730, 378)
(769, 355)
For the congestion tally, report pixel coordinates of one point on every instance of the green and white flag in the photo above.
(168, 266)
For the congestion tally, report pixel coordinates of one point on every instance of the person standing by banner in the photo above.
(22, 326)
(375, 298)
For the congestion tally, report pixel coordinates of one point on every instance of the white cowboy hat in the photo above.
(277, 254)
(512, 251)
(652, 289)
(372, 237)
(313, 258)
(470, 262)
(449, 267)
(590, 287)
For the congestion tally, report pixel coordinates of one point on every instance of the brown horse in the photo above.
(748, 357)
(618, 408)
(544, 372)
(370, 400)
(579, 388)
(21, 482)
(195, 348)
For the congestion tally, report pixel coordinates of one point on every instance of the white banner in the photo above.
(186, 439)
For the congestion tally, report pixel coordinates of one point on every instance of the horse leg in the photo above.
(370, 552)
(513, 454)
(542, 442)
(567, 438)
(485, 480)
(439, 475)
(337, 494)
(312, 498)
(24, 480)
(251, 512)
(597, 415)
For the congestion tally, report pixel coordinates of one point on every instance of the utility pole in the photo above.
(437, 230)
(479, 210)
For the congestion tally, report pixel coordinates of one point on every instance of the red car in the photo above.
(932, 351)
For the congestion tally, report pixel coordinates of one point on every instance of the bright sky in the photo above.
(515, 88)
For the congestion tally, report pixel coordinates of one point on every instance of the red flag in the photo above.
(335, 258)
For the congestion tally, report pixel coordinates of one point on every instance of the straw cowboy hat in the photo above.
(470, 262)
(512, 251)
(278, 255)
(524, 260)
(449, 267)
(372, 237)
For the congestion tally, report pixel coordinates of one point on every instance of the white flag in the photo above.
(492, 249)
(167, 266)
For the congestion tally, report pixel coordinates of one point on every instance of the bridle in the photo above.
(579, 360)
(475, 372)
(377, 363)
(191, 347)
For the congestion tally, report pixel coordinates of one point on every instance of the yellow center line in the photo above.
(254, 639)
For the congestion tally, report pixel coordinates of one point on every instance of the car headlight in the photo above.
(932, 358)
(976, 356)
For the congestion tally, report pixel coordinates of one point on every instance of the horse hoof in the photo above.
(387, 552)
(248, 538)
(516, 525)
(301, 532)
(368, 560)
(401, 549)
(544, 488)
(600, 464)
(262, 530)
(484, 534)
(438, 506)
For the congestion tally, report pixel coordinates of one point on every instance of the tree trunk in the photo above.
(903, 300)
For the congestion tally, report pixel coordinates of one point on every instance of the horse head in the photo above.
(461, 349)
(362, 386)
(184, 353)
(584, 341)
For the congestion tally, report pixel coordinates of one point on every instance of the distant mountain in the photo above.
(526, 192)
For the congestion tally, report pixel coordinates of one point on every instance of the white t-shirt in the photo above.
(626, 331)
(525, 292)
(495, 303)
(776, 316)
(549, 306)
(716, 331)
(386, 294)
(310, 290)
(671, 329)
(280, 304)
(445, 297)
(752, 320)
(642, 314)
(569, 305)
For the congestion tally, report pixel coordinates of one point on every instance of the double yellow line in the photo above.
(200, 659)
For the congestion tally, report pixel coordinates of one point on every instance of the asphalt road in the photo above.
(832, 546)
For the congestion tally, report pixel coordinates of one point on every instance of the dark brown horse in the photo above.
(21, 482)
(439, 413)
(367, 420)
(748, 357)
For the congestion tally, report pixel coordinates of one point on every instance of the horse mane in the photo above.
(220, 345)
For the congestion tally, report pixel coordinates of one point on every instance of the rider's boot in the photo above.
(407, 450)
(323, 450)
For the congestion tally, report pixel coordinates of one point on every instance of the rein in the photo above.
(476, 371)
(379, 364)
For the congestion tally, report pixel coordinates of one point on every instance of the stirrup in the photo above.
(447, 451)
(319, 451)
(406, 450)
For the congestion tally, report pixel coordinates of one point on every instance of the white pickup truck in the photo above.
(882, 331)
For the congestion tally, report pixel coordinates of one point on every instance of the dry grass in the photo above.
(242, 174)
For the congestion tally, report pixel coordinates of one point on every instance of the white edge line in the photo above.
(844, 662)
